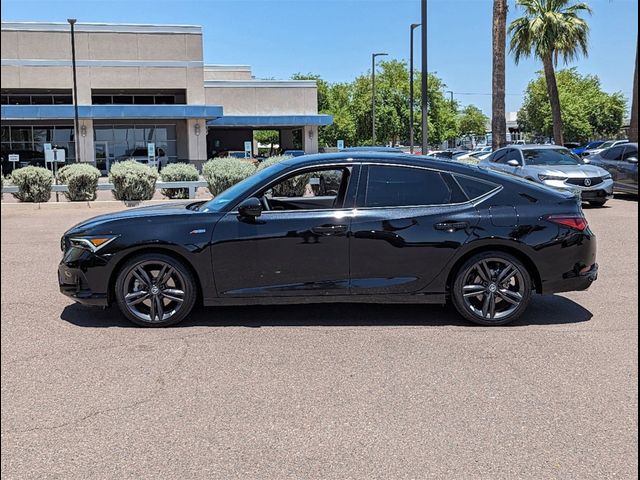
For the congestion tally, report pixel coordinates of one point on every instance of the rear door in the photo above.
(629, 168)
(408, 223)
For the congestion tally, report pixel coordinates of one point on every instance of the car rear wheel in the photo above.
(492, 288)
(155, 290)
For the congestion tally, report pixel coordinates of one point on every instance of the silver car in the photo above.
(556, 167)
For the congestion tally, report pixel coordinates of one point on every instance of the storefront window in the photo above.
(23, 139)
(121, 141)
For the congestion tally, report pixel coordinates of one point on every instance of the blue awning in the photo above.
(54, 112)
(257, 121)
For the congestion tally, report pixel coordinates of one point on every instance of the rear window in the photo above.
(474, 188)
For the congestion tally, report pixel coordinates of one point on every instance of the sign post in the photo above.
(151, 153)
(340, 145)
(14, 158)
(248, 146)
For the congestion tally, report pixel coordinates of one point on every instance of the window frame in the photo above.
(631, 149)
(364, 178)
(349, 197)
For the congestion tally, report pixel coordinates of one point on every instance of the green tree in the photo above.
(548, 30)
(587, 111)
(267, 137)
(471, 121)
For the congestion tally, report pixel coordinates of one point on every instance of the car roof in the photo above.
(372, 149)
(535, 146)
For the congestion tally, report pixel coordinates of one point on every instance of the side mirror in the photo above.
(513, 163)
(250, 208)
(632, 159)
(586, 161)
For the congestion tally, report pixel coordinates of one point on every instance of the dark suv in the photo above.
(621, 162)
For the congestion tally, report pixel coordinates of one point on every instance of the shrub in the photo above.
(133, 181)
(292, 187)
(34, 184)
(178, 172)
(82, 181)
(222, 173)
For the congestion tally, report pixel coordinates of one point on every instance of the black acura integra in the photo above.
(346, 227)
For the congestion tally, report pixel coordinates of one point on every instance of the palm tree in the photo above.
(548, 30)
(633, 126)
(498, 120)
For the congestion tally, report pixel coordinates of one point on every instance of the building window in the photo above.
(138, 97)
(118, 142)
(36, 97)
(29, 140)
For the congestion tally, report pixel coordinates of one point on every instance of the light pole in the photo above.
(76, 123)
(373, 95)
(424, 85)
(411, 29)
(452, 111)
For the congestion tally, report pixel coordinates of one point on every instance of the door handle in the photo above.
(451, 226)
(329, 229)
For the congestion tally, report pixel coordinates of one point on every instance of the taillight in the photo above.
(574, 221)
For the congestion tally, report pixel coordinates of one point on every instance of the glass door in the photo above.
(103, 162)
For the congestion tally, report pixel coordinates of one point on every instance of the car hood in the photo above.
(571, 171)
(168, 209)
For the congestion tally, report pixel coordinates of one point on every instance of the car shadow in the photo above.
(627, 196)
(543, 310)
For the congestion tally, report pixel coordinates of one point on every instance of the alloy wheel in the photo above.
(154, 291)
(493, 288)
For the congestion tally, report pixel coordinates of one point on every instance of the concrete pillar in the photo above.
(196, 133)
(85, 142)
(310, 139)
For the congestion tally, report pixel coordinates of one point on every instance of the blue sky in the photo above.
(335, 38)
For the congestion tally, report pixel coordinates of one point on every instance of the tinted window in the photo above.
(550, 156)
(512, 154)
(613, 153)
(498, 156)
(630, 151)
(402, 186)
(474, 188)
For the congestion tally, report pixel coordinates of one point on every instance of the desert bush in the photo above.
(82, 181)
(34, 184)
(222, 173)
(178, 172)
(292, 187)
(133, 181)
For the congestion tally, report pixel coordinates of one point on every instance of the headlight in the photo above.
(544, 178)
(607, 177)
(92, 243)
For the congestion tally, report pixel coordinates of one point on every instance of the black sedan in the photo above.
(345, 227)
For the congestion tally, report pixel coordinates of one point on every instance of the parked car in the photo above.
(603, 146)
(26, 158)
(588, 146)
(555, 167)
(373, 149)
(293, 153)
(142, 155)
(622, 163)
(231, 153)
(395, 228)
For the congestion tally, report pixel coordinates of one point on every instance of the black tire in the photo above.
(597, 203)
(512, 299)
(169, 284)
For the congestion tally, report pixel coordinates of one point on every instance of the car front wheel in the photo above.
(155, 290)
(492, 288)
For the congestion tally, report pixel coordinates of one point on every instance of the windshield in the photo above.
(550, 156)
(607, 145)
(220, 201)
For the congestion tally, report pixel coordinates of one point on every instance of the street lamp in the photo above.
(412, 28)
(373, 95)
(452, 111)
(72, 22)
(424, 85)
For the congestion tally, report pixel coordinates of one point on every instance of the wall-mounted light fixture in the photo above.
(196, 129)
(310, 134)
(83, 130)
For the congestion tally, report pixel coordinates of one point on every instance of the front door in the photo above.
(298, 246)
(103, 163)
(409, 223)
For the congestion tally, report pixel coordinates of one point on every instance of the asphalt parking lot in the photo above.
(301, 392)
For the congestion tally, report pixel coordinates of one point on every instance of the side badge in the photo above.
(198, 231)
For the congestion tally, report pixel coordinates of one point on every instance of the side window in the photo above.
(614, 153)
(474, 188)
(629, 152)
(311, 190)
(498, 157)
(512, 154)
(389, 186)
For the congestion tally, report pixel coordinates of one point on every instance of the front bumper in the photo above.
(84, 276)
(73, 283)
(601, 191)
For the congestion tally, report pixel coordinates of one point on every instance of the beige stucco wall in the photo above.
(51, 47)
(227, 72)
(264, 100)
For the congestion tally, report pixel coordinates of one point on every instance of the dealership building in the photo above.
(140, 87)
